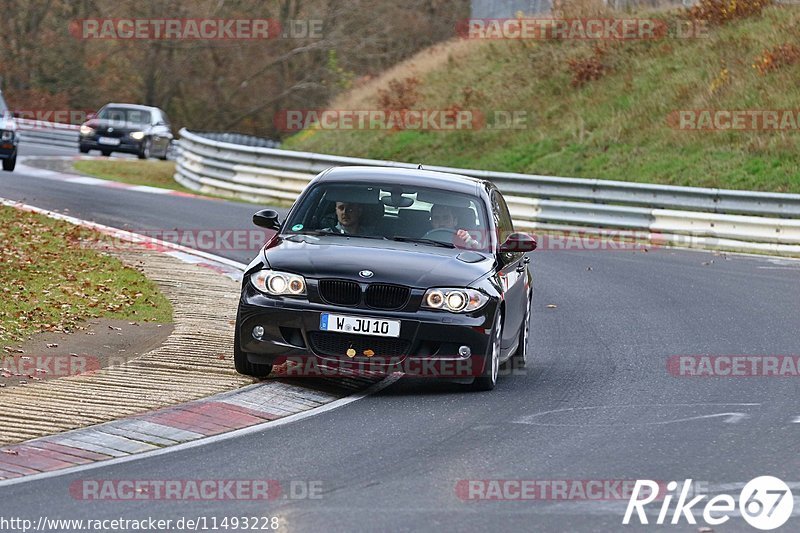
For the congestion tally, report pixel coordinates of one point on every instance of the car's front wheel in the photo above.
(144, 151)
(243, 365)
(10, 163)
(520, 357)
(488, 379)
(83, 149)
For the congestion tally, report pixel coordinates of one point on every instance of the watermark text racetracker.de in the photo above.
(735, 120)
(446, 119)
(53, 366)
(195, 489)
(727, 366)
(194, 29)
(579, 29)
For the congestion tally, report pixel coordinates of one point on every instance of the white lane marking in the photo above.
(730, 417)
(84, 180)
(377, 387)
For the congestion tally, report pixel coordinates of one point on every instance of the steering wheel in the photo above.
(440, 234)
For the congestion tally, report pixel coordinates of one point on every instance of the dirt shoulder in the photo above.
(95, 344)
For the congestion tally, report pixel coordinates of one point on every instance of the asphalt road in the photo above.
(597, 402)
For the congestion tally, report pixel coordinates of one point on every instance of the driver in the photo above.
(348, 216)
(444, 217)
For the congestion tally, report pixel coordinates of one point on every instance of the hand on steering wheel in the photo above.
(440, 234)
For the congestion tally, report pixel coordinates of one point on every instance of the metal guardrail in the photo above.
(53, 133)
(698, 217)
(544, 187)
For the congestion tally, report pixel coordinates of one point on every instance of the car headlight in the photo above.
(278, 283)
(137, 135)
(454, 300)
(7, 135)
(86, 130)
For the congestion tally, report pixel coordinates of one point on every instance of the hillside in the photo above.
(615, 127)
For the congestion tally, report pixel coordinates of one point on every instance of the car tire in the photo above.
(520, 357)
(243, 364)
(83, 149)
(10, 163)
(488, 378)
(166, 152)
(144, 151)
(105, 153)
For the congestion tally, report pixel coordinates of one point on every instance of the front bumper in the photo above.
(126, 145)
(8, 148)
(428, 344)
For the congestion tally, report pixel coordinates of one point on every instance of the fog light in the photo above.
(464, 351)
(258, 332)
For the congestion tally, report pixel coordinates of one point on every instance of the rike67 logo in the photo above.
(765, 503)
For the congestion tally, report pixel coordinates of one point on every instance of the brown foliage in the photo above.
(777, 57)
(401, 94)
(718, 12)
(586, 69)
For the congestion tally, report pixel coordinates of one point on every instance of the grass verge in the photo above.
(152, 173)
(52, 279)
(615, 127)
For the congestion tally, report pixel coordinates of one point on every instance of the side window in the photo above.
(502, 218)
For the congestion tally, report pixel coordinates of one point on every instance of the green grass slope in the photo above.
(615, 127)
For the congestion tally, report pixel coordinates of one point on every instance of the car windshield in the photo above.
(425, 215)
(125, 115)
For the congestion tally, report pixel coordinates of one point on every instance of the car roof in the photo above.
(404, 176)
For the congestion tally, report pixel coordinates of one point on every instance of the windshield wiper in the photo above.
(424, 241)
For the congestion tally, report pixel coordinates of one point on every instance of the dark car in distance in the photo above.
(9, 137)
(128, 128)
(392, 269)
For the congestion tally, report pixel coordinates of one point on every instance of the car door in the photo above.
(512, 272)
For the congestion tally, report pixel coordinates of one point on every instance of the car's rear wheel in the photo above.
(165, 156)
(243, 365)
(144, 151)
(10, 163)
(488, 379)
(83, 149)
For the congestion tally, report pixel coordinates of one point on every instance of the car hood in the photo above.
(414, 265)
(124, 127)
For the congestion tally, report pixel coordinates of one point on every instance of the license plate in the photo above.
(359, 325)
(111, 141)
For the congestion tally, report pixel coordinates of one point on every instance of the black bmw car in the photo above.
(128, 128)
(395, 269)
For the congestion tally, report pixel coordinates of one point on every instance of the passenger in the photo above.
(443, 217)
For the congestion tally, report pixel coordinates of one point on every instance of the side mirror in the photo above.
(267, 218)
(518, 242)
